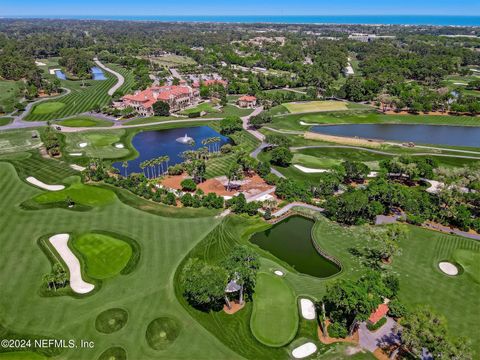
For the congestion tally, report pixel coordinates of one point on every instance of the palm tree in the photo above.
(166, 159)
(125, 166)
(216, 140)
(142, 166)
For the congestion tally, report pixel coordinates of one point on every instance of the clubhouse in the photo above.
(177, 96)
(247, 101)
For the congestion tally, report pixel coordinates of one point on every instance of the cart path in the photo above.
(119, 76)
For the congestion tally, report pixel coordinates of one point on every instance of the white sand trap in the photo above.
(278, 272)
(307, 124)
(75, 154)
(60, 243)
(44, 186)
(435, 186)
(459, 83)
(310, 170)
(448, 268)
(304, 350)
(39, 63)
(119, 146)
(82, 145)
(308, 309)
(77, 167)
(372, 174)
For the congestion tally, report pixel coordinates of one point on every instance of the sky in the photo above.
(232, 7)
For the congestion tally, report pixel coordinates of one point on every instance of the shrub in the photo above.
(271, 179)
(194, 114)
(377, 325)
(396, 309)
(338, 330)
(281, 156)
(175, 169)
(188, 185)
(227, 148)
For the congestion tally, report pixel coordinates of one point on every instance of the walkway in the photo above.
(288, 207)
(386, 335)
(175, 73)
(119, 76)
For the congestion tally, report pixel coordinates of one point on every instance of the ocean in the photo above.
(437, 20)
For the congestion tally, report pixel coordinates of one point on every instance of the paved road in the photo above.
(119, 76)
(385, 335)
(288, 207)
(175, 73)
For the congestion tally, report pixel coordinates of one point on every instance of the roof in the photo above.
(232, 286)
(155, 93)
(379, 313)
(247, 98)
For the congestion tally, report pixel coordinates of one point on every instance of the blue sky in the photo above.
(231, 7)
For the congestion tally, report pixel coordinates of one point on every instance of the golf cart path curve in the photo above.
(119, 76)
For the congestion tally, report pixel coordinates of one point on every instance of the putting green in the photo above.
(274, 318)
(113, 353)
(111, 320)
(105, 256)
(84, 122)
(47, 107)
(315, 106)
(81, 194)
(470, 262)
(162, 332)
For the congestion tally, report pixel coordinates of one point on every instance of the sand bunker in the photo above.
(278, 272)
(304, 350)
(119, 146)
(39, 63)
(310, 170)
(459, 83)
(75, 154)
(77, 167)
(448, 268)
(82, 145)
(307, 124)
(44, 186)
(60, 243)
(308, 309)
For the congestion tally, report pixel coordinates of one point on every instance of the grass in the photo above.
(9, 94)
(21, 355)
(172, 60)
(100, 143)
(163, 241)
(469, 261)
(47, 107)
(19, 140)
(162, 332)
(81, 194)
(5, 121)
(274, 318)
(104, 256)
(152, 119)
(84, 121)
(206, 106)
(315, 106)
(111, 320)
(114, 353)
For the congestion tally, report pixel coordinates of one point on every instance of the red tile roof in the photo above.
(379, 313)
(151, 95)
(196, 84)
(248, 98)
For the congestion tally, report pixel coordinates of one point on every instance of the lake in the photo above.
(59, 74)
(97, 73)
(422, 134)
(152, 144)
(290, 240)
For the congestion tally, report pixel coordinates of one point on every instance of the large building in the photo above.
(247, 101)
(177, 96)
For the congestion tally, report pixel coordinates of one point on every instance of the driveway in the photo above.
(385, 335)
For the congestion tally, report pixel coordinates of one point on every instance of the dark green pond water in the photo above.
(290, 241)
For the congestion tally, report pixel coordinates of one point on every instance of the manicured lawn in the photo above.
(152, 119)
(172, 60)
(84, 121)
(274, 319)
(47, 107)
(21, 355)
(104, 255)
(100, 143)
(146, 293)
(9, 94)
(5, 121)
(81, 194)
(18, 140)
(314, 106)
(206, 106)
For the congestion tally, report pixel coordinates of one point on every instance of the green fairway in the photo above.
(162, 332)
(81, 194)
(274, 319)
(99, 143)
(104, 255)
(111, 320)
(21, 355)
(164, 241)
(19, 140)
(47, 107)
(84, 121)
(469, 261)
(206, 106)
(5, 121)
(315, 106)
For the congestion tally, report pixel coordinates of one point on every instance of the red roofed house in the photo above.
(177, 96)
(197, 84)
(247, 101)
(379, 313)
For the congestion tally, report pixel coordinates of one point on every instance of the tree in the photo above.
(161, 108)
(125, 166)
(230, 124)
(188, 185)
(278, 140)
(355, 171)
(242, 265)
(203, 284)
(281, 156)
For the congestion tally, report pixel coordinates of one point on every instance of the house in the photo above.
(247, 101)
(177, 96)
(378, 314)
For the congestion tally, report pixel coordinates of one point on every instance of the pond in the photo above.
(60, 74)
(153, 144)
(97, 73)
(423, 134)
(290, 240)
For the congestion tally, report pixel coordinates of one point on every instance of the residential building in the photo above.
(247, 101)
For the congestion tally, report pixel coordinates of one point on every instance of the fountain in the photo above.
(185, 139)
